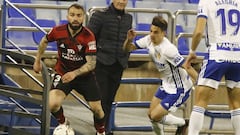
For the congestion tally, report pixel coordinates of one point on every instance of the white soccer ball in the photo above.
(63, 129)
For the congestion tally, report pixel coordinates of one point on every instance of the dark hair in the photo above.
(160, 22)
(77, 6)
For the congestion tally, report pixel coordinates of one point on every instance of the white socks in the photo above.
(235, 119)
(167, 120)
(172, 120)
(196, 120)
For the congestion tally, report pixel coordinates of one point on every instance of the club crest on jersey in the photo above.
(157, 55)
(79, 47)
(62, 46)
(92, 45)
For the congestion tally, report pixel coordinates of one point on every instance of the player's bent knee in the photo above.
(96, 108)
(54, 106)
(155, 116)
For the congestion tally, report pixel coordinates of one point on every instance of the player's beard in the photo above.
(75, 27)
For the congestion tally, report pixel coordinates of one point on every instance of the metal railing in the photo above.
(18, 93)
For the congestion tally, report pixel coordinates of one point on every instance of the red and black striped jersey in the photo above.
(72, 50)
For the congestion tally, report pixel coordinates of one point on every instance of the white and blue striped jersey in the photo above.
(168, 61)
(223, 28)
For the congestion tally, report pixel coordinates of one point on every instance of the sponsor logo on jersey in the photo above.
(71, 55)
(92, 45)
(228, 46)
(70, 52)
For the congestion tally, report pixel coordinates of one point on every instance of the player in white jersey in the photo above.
(221, 20)
(176, 83)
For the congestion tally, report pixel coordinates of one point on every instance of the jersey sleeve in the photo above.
(202, 9)
(173, 56)
(50, 35)
(91, 48)
(143, 42)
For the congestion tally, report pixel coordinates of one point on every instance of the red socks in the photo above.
(59, 115)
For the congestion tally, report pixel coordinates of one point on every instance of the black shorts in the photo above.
(85, 85)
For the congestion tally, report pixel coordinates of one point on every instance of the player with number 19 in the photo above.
(221, 20)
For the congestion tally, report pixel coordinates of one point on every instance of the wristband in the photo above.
(191, 51)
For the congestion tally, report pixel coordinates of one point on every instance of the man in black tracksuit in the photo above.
(110, 27)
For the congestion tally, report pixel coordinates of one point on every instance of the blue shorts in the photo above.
(212, 72)
(171, 102)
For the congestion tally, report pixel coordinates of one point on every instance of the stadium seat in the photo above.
(23, 39)
(182, 42)
(193, 1)
(45, 13)
(108, 2)
(30, 12)
(37, 36)
(173, 7)
(180, 1)
(190, 20)
(63, 12)
(146, 17)
(21, 1)
(95, 3)
(147, 4)
(63, 22)
(142, 27)
(27, 11)
(132, 3)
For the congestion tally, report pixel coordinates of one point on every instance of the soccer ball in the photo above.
(63, 129)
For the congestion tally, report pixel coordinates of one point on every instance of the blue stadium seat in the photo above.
(27, 11)
(37, 36)
(142, 27)
(182, 42)
(95, 3)
(62, 13)
(63, 22)
(108, 2)
(131, 3)
(147, 4)
(20, 1)
(22, 38)
(30, 12)
(193, 1)
(146, 17)
(180, 1)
